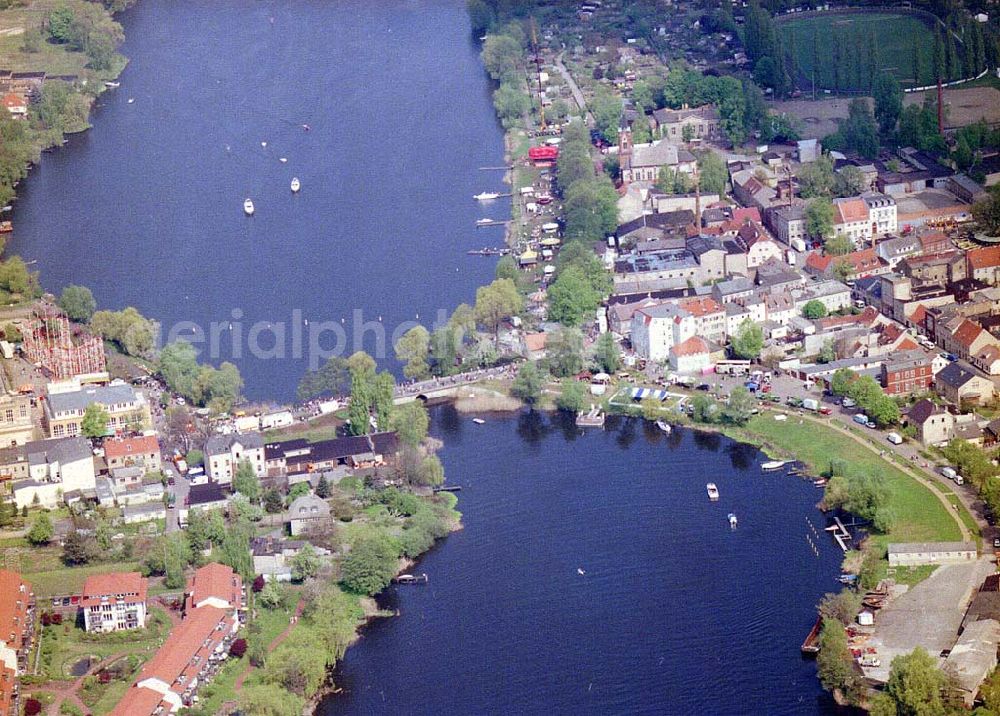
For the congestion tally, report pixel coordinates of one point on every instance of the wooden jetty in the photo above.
(496, 169)
(594, 418)
(411, 579)
(449, 488)
(840, 533)
(811, 644)
(488, 251)
(483, 223)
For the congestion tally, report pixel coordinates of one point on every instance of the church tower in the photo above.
(624, 148)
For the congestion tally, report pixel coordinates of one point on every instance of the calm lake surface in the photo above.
(146, 208)
(676, 612)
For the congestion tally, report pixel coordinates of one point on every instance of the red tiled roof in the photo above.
(967, 333)
(138, 701)
(849, 211)
(12, 100)
(695, 345)
(700, 307)
(185, 643)
(15, 594)
(214, 580)
(986, 257)
(818, 260)
(919, 314)
(131, 586)
(743, 214)
(907, 344)
(124, 447)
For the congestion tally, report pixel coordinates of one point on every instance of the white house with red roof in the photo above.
(850, 219)
(693, 356)
(16, 105)
(114, 601)
(138, 451)
(194, 651)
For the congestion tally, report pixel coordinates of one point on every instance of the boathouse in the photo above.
(912, 554)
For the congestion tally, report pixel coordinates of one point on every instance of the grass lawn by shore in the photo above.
(920, 516)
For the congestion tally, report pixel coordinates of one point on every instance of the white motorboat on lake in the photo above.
(732, 520)
(773, 465)
(664, 426)
(248, 207)
(713, 491)
(296, 185)
(486, 196)
(478, 421)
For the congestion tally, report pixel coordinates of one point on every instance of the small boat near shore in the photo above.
(248, 208)
(811, 644)
(112, 85)
(713, 491)
(478, 421)
(6, 227)
(411, 579)
(773, 465)
(664, 426)
(486, 196)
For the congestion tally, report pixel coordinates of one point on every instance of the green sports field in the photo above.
(902, 43)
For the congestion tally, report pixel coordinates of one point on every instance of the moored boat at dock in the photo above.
(773, 465)
(664, 426)
(6, 227)
(486, 196)
(811, 644)
(713, 491)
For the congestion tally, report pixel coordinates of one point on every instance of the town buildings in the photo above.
(47, 472)
(193, 652)
(224, 453)
(16, 622)
(137, 451)
(127, 409)
(114, 602)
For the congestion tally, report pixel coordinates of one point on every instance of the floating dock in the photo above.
(840, 533)
(592, 419)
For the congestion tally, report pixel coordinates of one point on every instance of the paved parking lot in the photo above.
(928, 615)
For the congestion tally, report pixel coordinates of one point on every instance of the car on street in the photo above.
(825, 410)
(848, 403)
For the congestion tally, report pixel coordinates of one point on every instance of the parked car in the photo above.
(848, 402)
(949, 473)
(894, 438)
(860, 419)
(825, 410)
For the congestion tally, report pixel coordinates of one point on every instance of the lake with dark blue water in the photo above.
(147, 207)
(676, 612)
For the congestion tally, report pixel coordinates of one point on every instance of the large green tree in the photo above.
(819, 218)
(95, 421)
(529, 383)
(572, 298)
(413, 349)
(78, 303)
(497, 302)
(748, 341)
